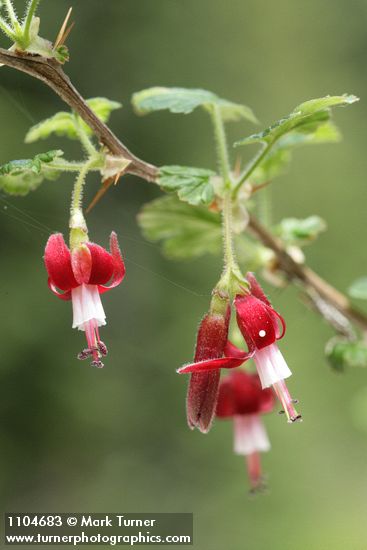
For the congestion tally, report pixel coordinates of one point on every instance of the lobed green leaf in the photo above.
(19, 177)
(306, 118)
(185, 100)
(185, 231)
(103, 107)
(192, 185)
(63, 123)
(300, 232)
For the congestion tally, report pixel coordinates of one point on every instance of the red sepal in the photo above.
(118, 266)
(240, 393)
(213, 364)
(226, 402)
(256, 321)
(256, 289)
(279, 319)
(58, 263)
(62, 295)
(233, 351)
(102, 265)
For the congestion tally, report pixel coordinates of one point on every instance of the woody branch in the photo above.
(325, 298)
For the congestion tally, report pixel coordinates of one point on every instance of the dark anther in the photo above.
(84, 354)
(102, 348)
(97, 364)
(297, 418)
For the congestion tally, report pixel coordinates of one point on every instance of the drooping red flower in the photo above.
(242, 399)
(203, 386)
(82, 275)
(261, 326)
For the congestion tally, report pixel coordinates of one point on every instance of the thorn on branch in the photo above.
(64, 32)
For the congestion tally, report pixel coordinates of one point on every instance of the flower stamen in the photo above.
(287, 402)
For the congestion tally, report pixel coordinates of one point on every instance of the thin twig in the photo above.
(311, 282)
(51, 73)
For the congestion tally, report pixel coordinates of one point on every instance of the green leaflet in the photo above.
(277, 161)
(103, 107)
(193, 185)
(342, 353)
(358, 289)
(184, 100)
(63, 123)
(307, 118)
(299, 232)
(19, 177)
(185, 231)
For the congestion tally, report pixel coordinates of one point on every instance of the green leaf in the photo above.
(185, 231)
(193, 185)
(299, 232)
(103, 107)
(307, 119)
(359, 289)
(184, 100)
(342, 353)
(63, 123)
(277, 161)
(19, 177)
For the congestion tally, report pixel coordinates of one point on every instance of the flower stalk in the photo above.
(84, 138)
(77, 224)
(232, 280)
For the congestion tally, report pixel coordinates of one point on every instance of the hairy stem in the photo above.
(221, 142)
(66, 166)
(84, 138)
(230, 262)
(224, 167)
(7, 29)
(76, 202)
(28, 20)
(11, 13)
(248, 171)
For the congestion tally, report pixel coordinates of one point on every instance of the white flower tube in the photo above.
(87, 306)
(250, 435)
(271, 365)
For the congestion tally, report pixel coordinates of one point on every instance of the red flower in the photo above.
(261, 326)
(203, 386)
(82, 275)
(241, 398)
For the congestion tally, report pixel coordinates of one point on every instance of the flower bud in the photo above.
(203, 386)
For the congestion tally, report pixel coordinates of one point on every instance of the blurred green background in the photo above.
(75, 438)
